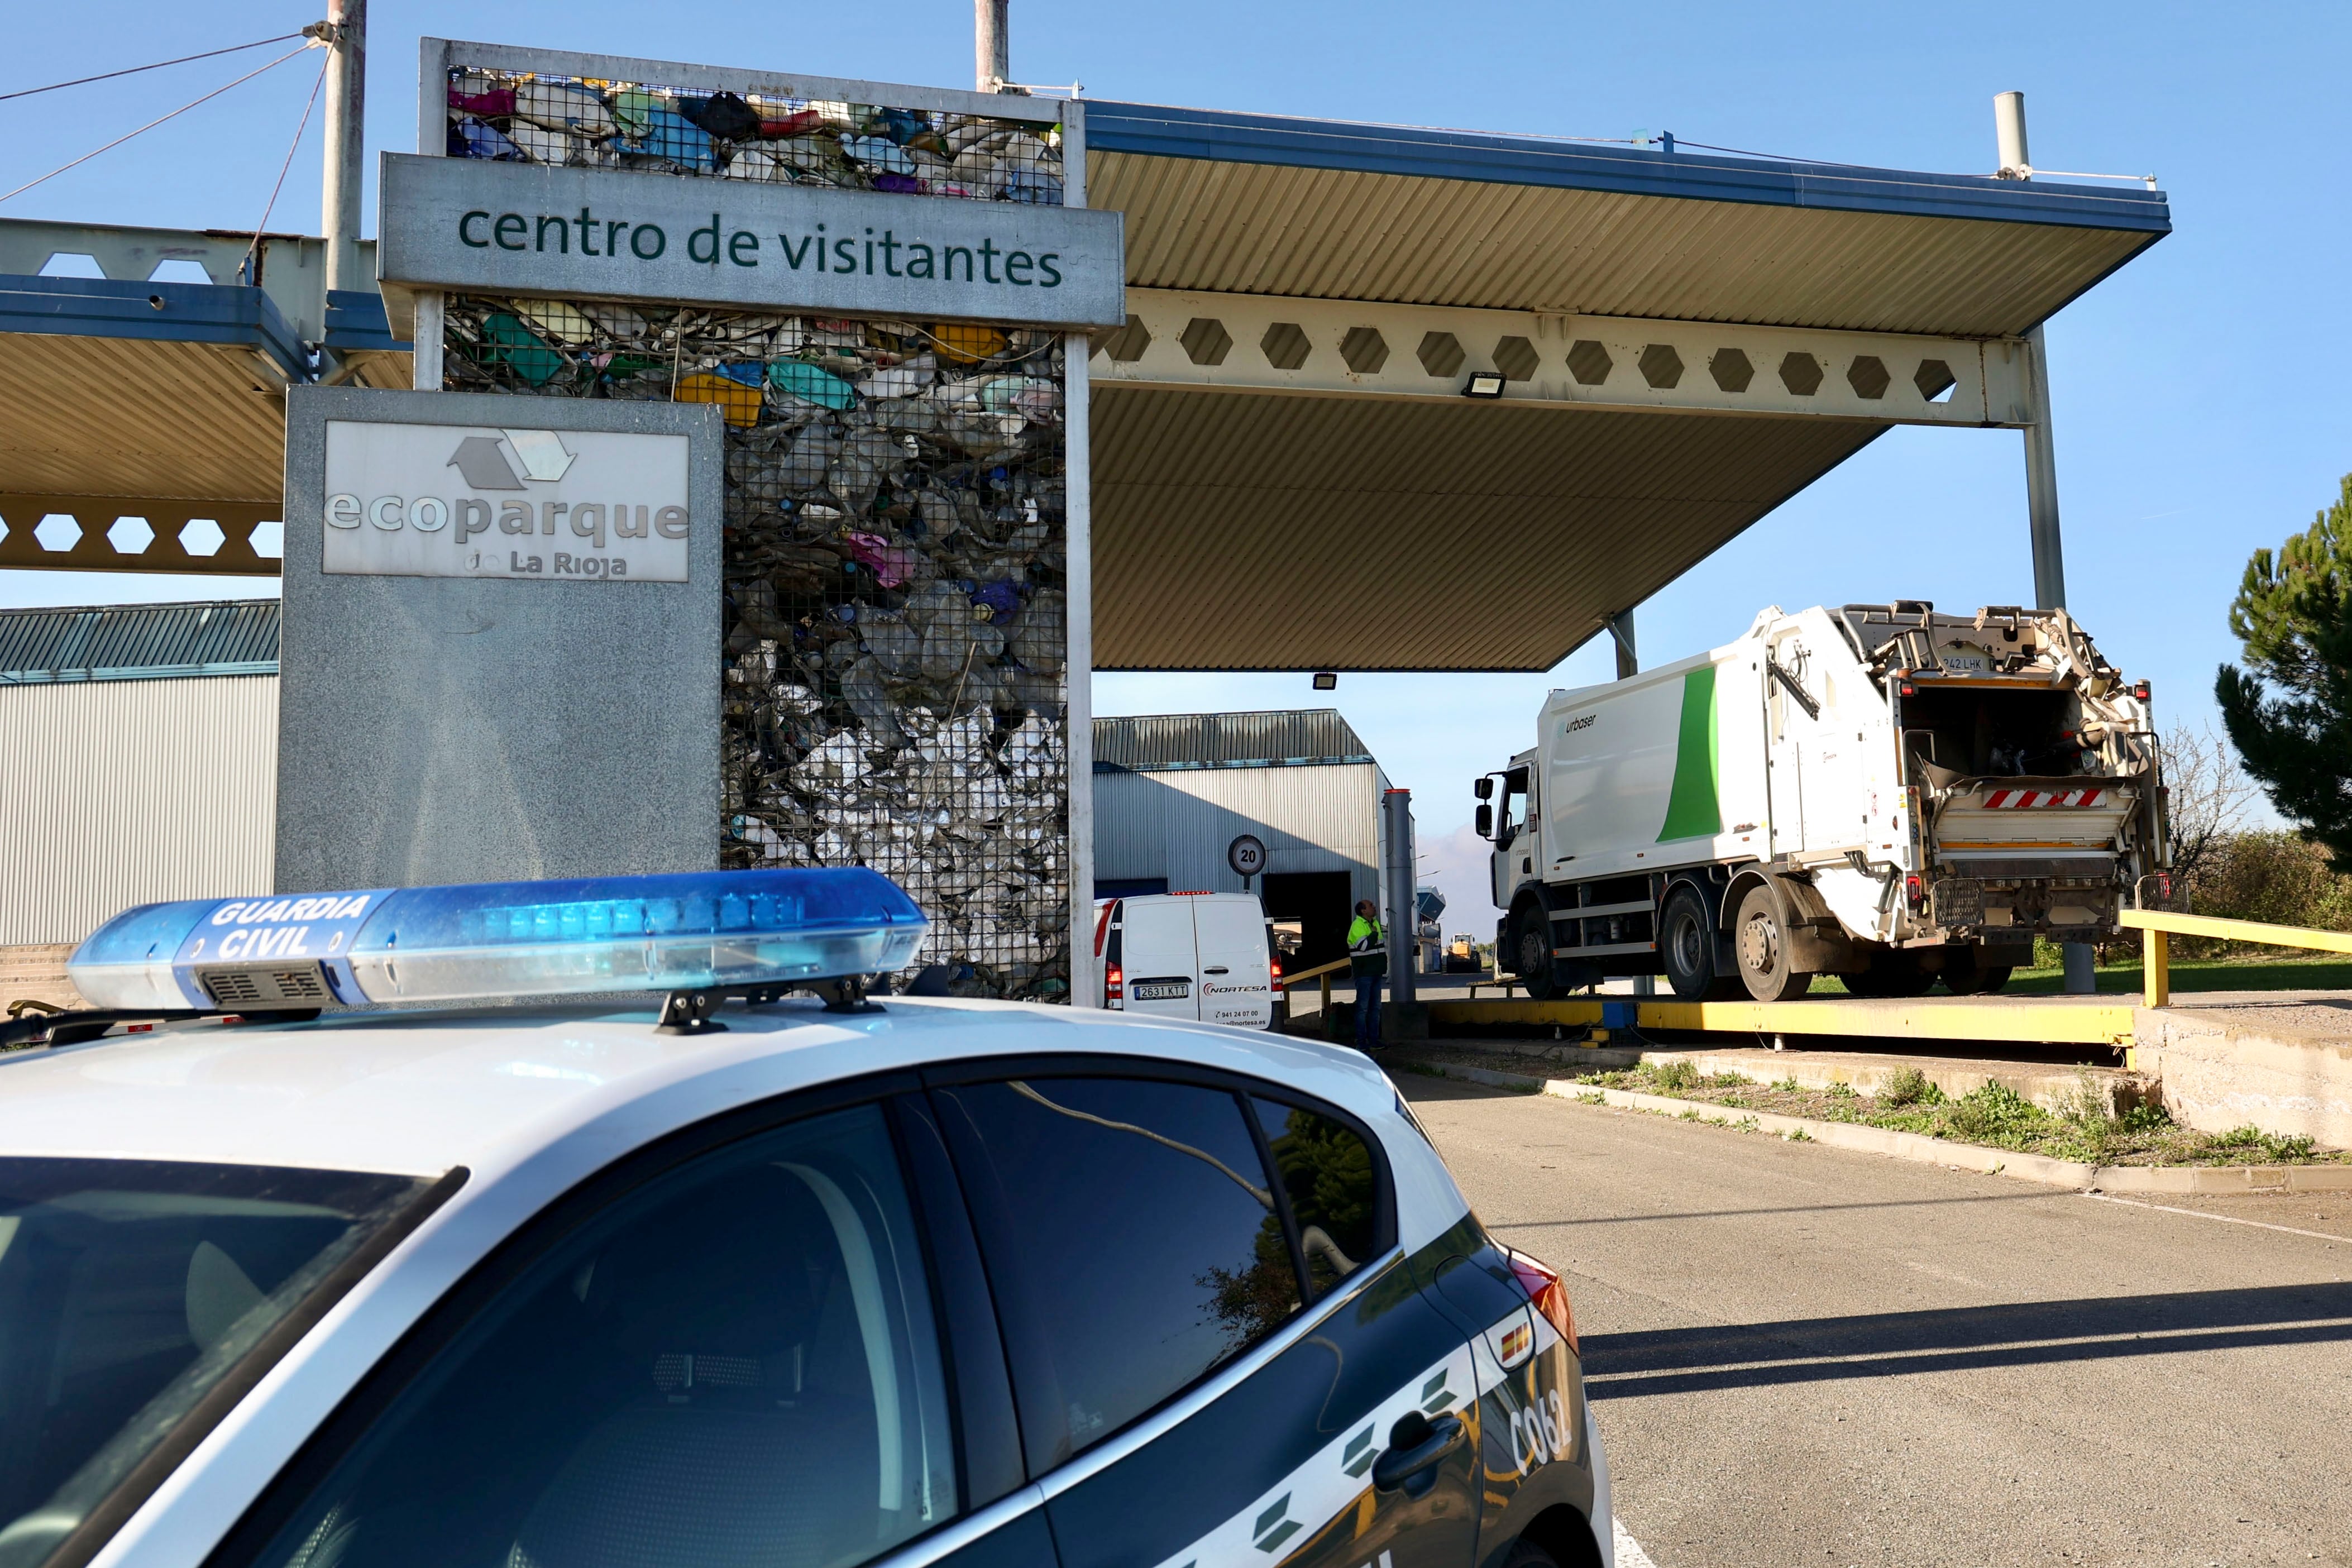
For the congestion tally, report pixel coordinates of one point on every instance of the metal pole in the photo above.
(1621, 627)
(346, 139)
(2009, 128)
(991, 52)
(1628, 663)
(2041, 484)
(1404, 917)
(2041, 471)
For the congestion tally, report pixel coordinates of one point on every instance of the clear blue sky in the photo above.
(2201, 395)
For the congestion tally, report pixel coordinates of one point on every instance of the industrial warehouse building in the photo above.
(142, 765)
(1172, 791)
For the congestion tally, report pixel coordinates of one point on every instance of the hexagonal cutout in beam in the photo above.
(1205, 341)
(1800, 373)
(1440, 353)
(1284, 345)
(268, 540)
(1867, 375)
(1935, 381)
(1732, 369)
(59, 531)
(1125, 344)
(1661, 367)
(1516, 359)
(1364, 350)
(1588, 362)
(202, 536)
(131, 536)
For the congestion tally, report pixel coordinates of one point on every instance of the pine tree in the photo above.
(2294, 617)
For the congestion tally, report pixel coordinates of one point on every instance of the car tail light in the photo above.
(1550, 1294)
(1911, 889)
(2140, 691)
(1114, 986)
(1277, 971)
(1909, 690)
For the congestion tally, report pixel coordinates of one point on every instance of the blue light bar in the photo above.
(689, 931)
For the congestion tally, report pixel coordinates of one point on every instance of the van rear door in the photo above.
(1236, 966)
(1163, 973)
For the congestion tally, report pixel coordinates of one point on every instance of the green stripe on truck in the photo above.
(1692, 809)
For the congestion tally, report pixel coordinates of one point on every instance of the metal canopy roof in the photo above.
(1258, 204)
(1250, 513)
(1257, 507)
(1329, 534)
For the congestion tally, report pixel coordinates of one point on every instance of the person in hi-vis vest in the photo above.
(1368, 961)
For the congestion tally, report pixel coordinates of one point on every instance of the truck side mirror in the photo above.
(1485, 819)
(1484, 788)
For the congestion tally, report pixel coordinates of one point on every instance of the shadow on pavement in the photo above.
(1962, 1339)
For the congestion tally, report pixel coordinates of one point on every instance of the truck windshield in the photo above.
(128, 1290)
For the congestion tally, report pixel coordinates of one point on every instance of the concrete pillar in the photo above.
(346, 170)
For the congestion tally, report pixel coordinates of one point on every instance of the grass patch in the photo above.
(2082, 1128)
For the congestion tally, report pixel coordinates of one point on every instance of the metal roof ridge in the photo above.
(1606, 165)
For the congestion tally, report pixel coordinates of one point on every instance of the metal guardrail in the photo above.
(2161, 926)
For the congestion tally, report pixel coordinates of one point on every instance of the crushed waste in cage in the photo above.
(523, 117)
(896, 591)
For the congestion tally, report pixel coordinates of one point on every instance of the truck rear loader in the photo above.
(1877, 792)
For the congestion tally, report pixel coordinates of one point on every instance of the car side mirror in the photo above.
(1484, 788)
(1485, 819)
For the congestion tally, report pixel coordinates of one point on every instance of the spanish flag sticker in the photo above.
(1513, 1347)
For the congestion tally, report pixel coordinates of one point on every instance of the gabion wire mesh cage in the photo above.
(895, 586)
(896, 533)
(531, 117)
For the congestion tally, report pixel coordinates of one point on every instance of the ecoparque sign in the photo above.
(468, 224)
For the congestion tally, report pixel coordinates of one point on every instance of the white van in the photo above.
(1188, 955)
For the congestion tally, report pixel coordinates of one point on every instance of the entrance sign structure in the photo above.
(443, 718)
(884, 293)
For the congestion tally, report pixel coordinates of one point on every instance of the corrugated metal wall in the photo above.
(126, 792)
(1177, 824)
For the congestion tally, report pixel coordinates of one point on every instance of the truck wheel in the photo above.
(1531, 954)
(1687, 944)
(1966, 972)
(1890, 973)
(1763, 949)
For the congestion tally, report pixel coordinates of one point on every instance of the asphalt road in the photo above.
(1801, 1355)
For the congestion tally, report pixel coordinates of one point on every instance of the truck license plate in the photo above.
(1164, 991)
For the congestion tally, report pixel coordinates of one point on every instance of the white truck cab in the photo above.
(1204, 956)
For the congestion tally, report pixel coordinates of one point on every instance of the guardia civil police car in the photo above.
(741, 1279)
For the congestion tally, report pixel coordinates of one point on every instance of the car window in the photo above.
(129, 1289)
(735, 1363)
(1132, 1223)
(1327, 1169)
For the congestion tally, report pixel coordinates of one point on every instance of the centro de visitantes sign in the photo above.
(475, 225)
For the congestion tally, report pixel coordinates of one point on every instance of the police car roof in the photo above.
(420, 1092)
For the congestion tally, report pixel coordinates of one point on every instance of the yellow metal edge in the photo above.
(2022, 1021)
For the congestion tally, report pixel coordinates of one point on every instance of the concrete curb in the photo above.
(1923, 1149)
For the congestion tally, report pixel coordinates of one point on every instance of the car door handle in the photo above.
(1417, 1445)
(1214, 969)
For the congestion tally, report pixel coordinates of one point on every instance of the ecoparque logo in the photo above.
(539, 457)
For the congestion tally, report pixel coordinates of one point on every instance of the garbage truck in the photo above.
(1895, 796)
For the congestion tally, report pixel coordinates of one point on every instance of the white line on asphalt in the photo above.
(2224, 1218)
(1628, 1552)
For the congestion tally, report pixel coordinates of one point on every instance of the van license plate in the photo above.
(1167, 991)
